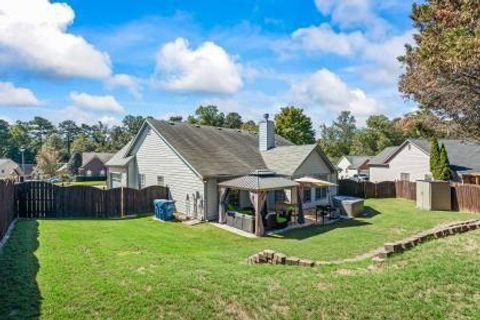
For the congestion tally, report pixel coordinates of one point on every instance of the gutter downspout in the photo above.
(205, 199)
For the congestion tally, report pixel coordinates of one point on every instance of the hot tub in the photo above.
(349, 206)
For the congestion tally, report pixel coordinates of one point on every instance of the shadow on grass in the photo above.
(315, 230)
(19, 292)
(369, 212)
(93, 218)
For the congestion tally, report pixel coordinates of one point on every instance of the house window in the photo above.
(160, 181)
(116, 180)
(141, 181)
(320, 193)
(102, 172)
(405, 176)
(307, 195)
(89, 173)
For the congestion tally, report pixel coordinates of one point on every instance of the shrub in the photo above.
(90, 178)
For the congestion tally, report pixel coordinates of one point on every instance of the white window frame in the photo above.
(142, 180)
(405, 176)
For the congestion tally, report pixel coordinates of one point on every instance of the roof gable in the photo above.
(89, 156)
(288, 159)
(383, 156)
(464, 156)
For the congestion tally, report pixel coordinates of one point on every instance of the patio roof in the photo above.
(314, 182)
(260, 180)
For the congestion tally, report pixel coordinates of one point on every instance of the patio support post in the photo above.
(301, 217)
(222, 218)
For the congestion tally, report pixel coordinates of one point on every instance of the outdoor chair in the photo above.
(273, 220)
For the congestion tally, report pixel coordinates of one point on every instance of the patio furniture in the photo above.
(241, 221)
(277, 220)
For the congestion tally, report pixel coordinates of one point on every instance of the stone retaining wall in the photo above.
(277, 258)
(379, 255)
(440, 232)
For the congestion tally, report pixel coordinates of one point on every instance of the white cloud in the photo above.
(33, 34)
(383, 55)
(81, 116)
(354, 13)
(124, 80)
(208, 68)
(324, 89)
(96, 103)
(323, 38)
(14, 96)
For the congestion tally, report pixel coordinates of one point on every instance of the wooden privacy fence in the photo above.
(36, 199)
(384, 189)
(466, 197)
(7, 206)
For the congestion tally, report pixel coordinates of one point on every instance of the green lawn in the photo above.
(99, 184)
(143, 269)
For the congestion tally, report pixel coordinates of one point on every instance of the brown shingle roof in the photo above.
(213, 151)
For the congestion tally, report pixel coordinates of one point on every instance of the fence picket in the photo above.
(36, 199)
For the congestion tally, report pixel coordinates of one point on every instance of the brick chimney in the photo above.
(266, 134)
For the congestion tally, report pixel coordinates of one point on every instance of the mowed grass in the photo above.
(143, 269)
(98, 184)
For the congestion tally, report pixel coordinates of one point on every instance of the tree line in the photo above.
(46, 143)
(65, 138)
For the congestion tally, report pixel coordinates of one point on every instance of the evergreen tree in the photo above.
(74, 163)
(445, 173)
(434, 158)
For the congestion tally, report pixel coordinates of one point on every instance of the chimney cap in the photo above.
(265, 116)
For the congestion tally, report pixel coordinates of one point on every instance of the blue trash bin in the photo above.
(164, 209)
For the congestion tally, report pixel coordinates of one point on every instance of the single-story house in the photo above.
(9, 169)
(411, 161)
(93, 164)
(348, 166)
(192, 160)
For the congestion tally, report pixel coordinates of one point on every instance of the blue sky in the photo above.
(91, 61)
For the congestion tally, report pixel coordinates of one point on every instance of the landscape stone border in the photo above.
(392, 248)
(277, 258)
(378, 256)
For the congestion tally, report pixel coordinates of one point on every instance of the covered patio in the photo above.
(263, 202)
(259, 185)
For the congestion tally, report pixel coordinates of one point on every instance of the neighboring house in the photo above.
(411, 161)
(192, 159)
(348, 166)
(9, 169)
(93, 164)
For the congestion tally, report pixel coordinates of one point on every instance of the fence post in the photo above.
(122, 202)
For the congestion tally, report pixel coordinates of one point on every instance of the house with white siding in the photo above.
(191, 160)
(9, 169)
(411, 161)
(349, 166)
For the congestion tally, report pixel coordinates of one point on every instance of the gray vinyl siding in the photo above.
(312, 166)
(212, 199)
(409, 159)
(155, 158)
(315, 166)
